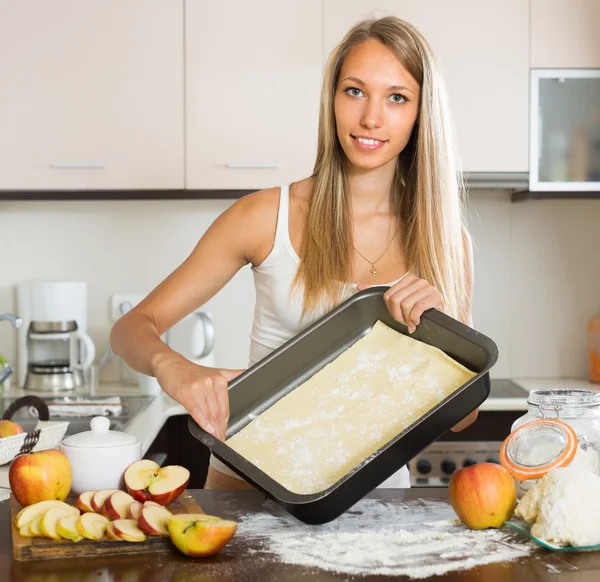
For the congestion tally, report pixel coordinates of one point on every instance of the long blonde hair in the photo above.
(427, 193)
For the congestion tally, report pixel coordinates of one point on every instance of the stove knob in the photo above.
(448, 466)
(424, 466)
(469, 462)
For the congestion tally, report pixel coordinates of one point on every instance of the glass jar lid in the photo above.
(100, 436)
(562, 401)
(535, 448)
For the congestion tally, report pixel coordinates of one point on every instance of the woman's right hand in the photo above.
(201, 390)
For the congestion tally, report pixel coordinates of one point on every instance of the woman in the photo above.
(382, 207)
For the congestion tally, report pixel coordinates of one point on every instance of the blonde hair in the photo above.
(427, 193)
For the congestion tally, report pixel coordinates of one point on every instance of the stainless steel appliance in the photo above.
(57, 356)
(53, 347)
(478, 443)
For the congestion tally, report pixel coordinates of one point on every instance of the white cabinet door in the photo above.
(91, 94)
(253, 78)
(483, 49)
(565, 34)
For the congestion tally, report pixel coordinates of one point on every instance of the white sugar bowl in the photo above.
(100, 456)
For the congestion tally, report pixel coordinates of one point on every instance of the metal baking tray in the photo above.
(270, 379)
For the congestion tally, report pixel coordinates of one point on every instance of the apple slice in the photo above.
(66, 527)
(100, 497)
(146, 503)
(84, 501)
(148, 481)
(154, 520)
(32, 528)
(199, 535)
(28, 513)
(110, 533)
(127, 529)
(50, 520)
(117, 505)
(92, 525)
(135, 509)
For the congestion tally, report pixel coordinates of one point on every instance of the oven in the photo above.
(478, 443)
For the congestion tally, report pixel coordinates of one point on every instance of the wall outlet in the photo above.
(121, 303)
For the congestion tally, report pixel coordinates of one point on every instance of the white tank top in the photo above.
(278, 310)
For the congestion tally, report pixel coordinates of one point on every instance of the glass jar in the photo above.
(561, 428)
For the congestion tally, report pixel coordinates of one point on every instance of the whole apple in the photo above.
(9, 428)
(40, 476)
(483, 495)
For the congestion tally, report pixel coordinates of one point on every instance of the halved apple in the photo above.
(154, 520)
(66, 527)
(84, 501)
(127, 529)
(28, 513)
(50, 520)
(100, 497)
(135, 509)
(198, 535)
(92, 526)
(117, 505)
(148, 481)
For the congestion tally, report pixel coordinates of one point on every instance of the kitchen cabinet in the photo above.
(92, 95)
(253, 78)
(564, 34)
(483, 49)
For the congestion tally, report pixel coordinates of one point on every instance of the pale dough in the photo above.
(348, 410)
(564, 507)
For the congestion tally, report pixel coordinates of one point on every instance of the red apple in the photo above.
(99, 498)
(9, 428)
(40, 476)
(147, 481)
(197, 535)
(84, 501)
(117, 505)
(154, 519)
(483, 495)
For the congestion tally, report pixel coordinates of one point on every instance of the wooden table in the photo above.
(238, 562)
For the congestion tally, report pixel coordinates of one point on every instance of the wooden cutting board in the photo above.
(45, 548)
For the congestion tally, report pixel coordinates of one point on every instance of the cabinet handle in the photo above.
(252, 166)
(78, 166)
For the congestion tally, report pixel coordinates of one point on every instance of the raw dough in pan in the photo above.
(327, 426)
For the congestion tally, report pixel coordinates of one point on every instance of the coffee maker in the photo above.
(54, 350)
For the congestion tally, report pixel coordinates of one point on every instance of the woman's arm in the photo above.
(236, 238)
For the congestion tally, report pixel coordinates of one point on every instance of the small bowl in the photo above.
(100, 456)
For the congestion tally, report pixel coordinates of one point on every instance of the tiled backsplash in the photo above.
(537, 270)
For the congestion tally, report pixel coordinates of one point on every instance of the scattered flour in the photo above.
(417, 539)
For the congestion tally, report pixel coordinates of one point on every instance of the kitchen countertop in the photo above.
(244, 559)
(147, 424)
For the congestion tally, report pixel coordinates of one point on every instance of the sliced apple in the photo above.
(110, 533)
(146, 503)
(66, 527)
(32, 528)
(198, 535)
(31, 511)
(84, 501)
(117, 505)
(134, 510)
(100, 497)
(50, 520)
(92, 526)
(154, 520)
(148, 481)
(127, 529)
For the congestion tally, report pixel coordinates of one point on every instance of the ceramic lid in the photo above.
(100, 436)
(533, 449)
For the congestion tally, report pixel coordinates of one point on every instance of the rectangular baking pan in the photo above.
(270, 379)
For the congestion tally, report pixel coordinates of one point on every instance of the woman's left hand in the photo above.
(409, 298)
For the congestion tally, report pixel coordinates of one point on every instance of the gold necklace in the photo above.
(372, 263)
